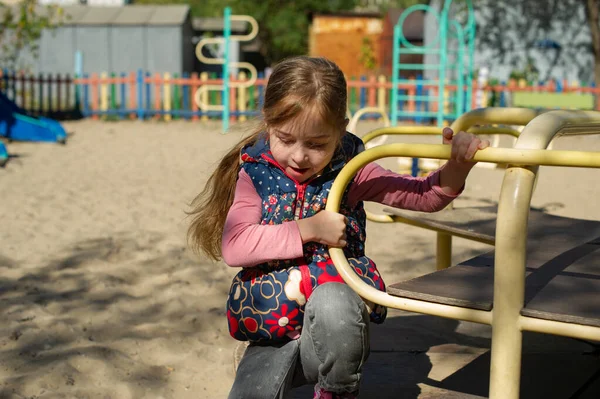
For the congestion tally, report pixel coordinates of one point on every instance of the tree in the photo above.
(512, 31)
(591, 12)
(283, 25)
(21, 28)
(517, 32)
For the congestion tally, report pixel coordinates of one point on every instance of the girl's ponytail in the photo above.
(210, 207)
(296, 85)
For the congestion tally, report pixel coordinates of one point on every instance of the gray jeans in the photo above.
(331, 350)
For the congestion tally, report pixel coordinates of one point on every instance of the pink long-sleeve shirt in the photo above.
(247, 243)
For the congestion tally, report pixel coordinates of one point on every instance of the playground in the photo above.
(101, 297)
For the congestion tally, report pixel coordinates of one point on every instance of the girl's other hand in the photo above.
(464, 145)
(325, 227)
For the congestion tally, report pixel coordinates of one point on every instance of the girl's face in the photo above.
(304, 146)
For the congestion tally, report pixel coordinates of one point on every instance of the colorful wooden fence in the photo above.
(167, 96)
(51, 95)
(163, 96)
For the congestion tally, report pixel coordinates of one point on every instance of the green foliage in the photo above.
(367, 54)
(383, 6)
(21, 28)
(200, 8)
(283, 25)
(530, 73)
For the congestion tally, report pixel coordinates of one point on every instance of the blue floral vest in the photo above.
(267, 301)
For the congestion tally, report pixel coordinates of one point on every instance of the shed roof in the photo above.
(210, 24)
(169, 15)
(138, 15)
(70, 14)
(97, 16)
(133, 14)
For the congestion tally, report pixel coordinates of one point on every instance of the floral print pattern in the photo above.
(267, 301)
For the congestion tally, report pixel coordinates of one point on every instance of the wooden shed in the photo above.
(154, 38)
(348, 39)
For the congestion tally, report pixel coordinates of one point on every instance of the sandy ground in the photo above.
(99, 296)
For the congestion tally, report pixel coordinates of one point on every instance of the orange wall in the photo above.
(340, 38)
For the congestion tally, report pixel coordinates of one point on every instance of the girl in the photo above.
(263, 210)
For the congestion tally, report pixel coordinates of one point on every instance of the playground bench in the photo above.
(529, 99)
(544, 273)
(558, 265)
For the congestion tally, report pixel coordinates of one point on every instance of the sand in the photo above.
(101, 298)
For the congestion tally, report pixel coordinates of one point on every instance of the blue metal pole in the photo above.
(148, 110)
(140, 94)
(86, 96)
(123, 112)
(395, 77)
(186, 96)
(78, 74)
(227, 36)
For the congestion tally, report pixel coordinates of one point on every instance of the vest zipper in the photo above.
(299, 201)
(305, 281)
(300, 188)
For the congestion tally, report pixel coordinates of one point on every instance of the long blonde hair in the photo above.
(297, 84)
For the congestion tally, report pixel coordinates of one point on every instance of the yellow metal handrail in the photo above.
(428, 131)
(476, 121)
(511, 238)
(435, 131)
(437, 151)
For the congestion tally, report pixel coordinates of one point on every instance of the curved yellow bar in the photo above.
(398, 130)
(353, 121)
(204, 42)
(511, 238)
(424, 130)
(436, 151)
(253, 26)
(516, 156)
(495, 115)
(434, 131)
(509, 131)
(198, 95)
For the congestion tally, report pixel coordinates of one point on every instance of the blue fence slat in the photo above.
(502, 99)
(148, 99)
(140, 94)
(363, 93)
(86, 97)
(419, 92)
(185, 104)
(123, 106)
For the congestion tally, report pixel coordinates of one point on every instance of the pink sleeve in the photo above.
(245, 241)
(374, 183)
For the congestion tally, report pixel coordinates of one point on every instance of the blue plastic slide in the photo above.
(16, 124)
(3, 154)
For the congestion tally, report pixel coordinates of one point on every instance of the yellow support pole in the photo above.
(167, 97)
(103, 92)
(509, 282)
(381, 93)
(242, 91)
(204, 95)
(485, 94)
(443, 250)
